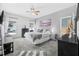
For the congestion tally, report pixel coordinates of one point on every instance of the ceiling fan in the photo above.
(33, 11)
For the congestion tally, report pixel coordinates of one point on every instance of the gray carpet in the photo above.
(33, 53)
(49, 48)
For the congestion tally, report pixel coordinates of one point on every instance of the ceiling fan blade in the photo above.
(37, 11)
(29, 11)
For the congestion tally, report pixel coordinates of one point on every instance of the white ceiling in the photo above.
(45, 8)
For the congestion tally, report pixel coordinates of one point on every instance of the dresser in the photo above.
(24, 30)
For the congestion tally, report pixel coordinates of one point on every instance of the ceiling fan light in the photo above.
(33, 14)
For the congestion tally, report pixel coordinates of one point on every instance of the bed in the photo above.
(38, 38)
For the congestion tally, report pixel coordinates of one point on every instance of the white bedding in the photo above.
(45, 37)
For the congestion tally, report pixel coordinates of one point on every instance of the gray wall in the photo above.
(55, 19)
(56, 16)
(78, 28)
(20, 22)
(0, 6)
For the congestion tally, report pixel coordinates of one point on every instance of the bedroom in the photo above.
(34, 29)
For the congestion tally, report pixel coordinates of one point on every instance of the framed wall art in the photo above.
(67, 28)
